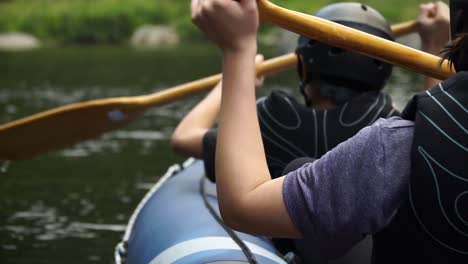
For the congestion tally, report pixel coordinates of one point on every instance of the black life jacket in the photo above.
(431, 225)
(291, 130)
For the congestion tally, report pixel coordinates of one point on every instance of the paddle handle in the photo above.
(347, 38)
(404, 28)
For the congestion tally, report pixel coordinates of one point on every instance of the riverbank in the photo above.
(85, 21)
(114, 21)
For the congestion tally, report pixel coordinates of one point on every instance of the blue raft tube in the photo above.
(178, 221)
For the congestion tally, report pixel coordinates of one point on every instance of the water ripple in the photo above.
(46, 224)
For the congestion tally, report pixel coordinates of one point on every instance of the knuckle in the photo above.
(207, 6)
(195, 19)
(219, 4)
(202, 12)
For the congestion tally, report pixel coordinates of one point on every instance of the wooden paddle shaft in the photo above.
(268, 67)
(404, 28)
(347, 38)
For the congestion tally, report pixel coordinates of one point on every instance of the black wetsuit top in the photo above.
(291, 130)
(431, 225)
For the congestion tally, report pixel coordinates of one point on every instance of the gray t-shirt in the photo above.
(353, 190)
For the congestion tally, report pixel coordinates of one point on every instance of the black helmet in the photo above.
(458, 17)
(340, 68)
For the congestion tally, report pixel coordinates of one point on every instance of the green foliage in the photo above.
(113, 21)
(87, 21)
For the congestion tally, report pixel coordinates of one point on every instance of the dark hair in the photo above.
(456, 52)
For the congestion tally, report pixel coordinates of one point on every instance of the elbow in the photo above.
(177, 144)
(231, 220)
(236, 217)
(187, 144)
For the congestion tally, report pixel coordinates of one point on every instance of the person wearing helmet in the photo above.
(404, 181)
(343, 74)
(342, 94)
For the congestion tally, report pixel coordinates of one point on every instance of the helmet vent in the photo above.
(364, 7)
(335, 51)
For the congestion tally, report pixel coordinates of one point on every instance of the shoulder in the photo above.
(447, 86)
(394, 130)
(279, 107)
(395, 134)
(393, 123)
(459, 79)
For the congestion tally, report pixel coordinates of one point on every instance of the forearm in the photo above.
(433, 28)
(187, 139)
(248, 199)
(240, 147)
(430, 82)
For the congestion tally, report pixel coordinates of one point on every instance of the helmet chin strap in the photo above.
(302, 87)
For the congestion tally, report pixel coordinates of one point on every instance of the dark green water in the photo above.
(72, 205)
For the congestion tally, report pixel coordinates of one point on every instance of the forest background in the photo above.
(66, 22)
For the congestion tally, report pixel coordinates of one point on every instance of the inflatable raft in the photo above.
(178, 222)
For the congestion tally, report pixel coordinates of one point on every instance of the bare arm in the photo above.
(249, 200)
(434, 30)
(188, 136)
(187, 139)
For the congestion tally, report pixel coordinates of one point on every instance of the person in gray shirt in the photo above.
(368, 184)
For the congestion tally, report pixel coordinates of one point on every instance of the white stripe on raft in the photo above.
(198, 245)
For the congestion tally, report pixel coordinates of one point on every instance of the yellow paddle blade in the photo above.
(64, 126)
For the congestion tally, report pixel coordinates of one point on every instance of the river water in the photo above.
(73, 204)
